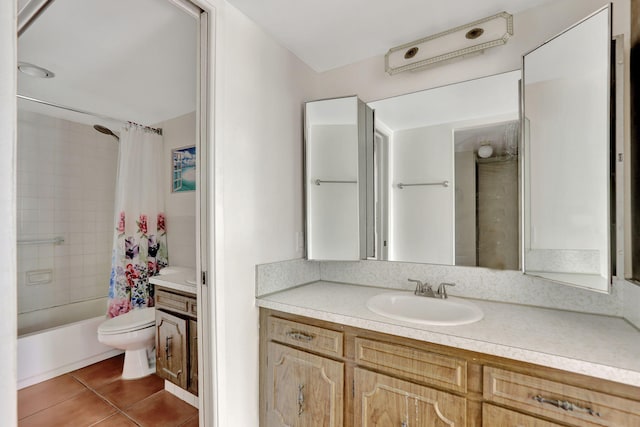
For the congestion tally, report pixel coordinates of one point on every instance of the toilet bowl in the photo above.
(134, 332)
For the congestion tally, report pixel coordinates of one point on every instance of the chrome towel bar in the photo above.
(443, 184)
(53, 241)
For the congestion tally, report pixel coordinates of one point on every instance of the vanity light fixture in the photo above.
(457, 42)
(35, 71)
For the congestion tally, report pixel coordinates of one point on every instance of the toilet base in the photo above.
(137, 364)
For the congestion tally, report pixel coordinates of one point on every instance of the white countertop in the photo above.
(598, 346)
(176, 278)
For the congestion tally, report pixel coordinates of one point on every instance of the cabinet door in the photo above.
(495, 416)
(171, 348)
(381, 400)
(303, 390)
(193, 357)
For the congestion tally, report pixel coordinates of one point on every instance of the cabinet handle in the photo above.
(567, 406)
(300, 399)
(300, 336)
(167, 347)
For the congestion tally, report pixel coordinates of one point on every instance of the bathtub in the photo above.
(58, 340)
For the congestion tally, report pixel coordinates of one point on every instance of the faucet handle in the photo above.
(419, 286)
(442, 290)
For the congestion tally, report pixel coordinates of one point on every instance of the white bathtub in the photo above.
(58, 340)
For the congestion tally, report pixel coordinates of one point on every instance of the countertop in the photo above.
(176, 278)
(599, 346)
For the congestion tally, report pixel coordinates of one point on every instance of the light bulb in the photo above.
(485, 151)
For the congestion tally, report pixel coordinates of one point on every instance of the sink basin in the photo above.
(424, 310)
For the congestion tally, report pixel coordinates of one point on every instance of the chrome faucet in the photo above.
(423, 289)
(442, 290)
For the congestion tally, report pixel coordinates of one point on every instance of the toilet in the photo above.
(135, 333)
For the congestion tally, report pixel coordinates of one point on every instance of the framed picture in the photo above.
(183, 162)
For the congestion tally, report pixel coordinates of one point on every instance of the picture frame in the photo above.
(183, 169)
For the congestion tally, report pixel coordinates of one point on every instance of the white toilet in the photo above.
(135, 333)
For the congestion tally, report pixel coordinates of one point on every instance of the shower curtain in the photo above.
(140, 241)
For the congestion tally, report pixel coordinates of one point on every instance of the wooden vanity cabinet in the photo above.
(176, 338)
(317, 373)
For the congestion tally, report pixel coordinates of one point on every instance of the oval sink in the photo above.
(427, 311)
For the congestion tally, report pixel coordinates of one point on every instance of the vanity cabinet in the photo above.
(317, 373)
(176, 338)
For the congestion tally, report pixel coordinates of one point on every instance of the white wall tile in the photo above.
(61, 165)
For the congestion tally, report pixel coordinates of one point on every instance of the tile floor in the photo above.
(96, 396)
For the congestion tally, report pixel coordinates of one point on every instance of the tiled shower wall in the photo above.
(66, 175)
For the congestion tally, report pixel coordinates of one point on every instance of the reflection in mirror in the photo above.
(446, 174)
(567, 155)
(335, 178)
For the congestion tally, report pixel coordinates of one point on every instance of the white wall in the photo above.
(258, 206)
(180, 208)
(66, 178)
(8, 302)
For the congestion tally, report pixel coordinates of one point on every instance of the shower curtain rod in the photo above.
(88, 113)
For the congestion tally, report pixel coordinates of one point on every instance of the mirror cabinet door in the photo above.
(337, 145)
(567, 149)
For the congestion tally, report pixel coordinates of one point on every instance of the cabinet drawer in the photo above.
(313, 338)
(437, 369)
(495, 416)
(175, 302)
(584, 407)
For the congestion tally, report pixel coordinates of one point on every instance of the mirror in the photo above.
(447, 174)
(447, 180)
(567, 122)
(336, 152)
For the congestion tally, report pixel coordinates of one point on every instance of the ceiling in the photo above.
(136, 60)
(332, 33)
(130, 60)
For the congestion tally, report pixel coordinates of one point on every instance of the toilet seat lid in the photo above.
(135, 319)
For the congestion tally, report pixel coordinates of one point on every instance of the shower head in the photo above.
(106, 131)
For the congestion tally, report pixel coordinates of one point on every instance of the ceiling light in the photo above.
(35, 71)
(457, 42)
(485, 151)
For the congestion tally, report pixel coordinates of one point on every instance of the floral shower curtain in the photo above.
(140, 241)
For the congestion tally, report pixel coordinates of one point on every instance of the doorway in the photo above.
(104, 60)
